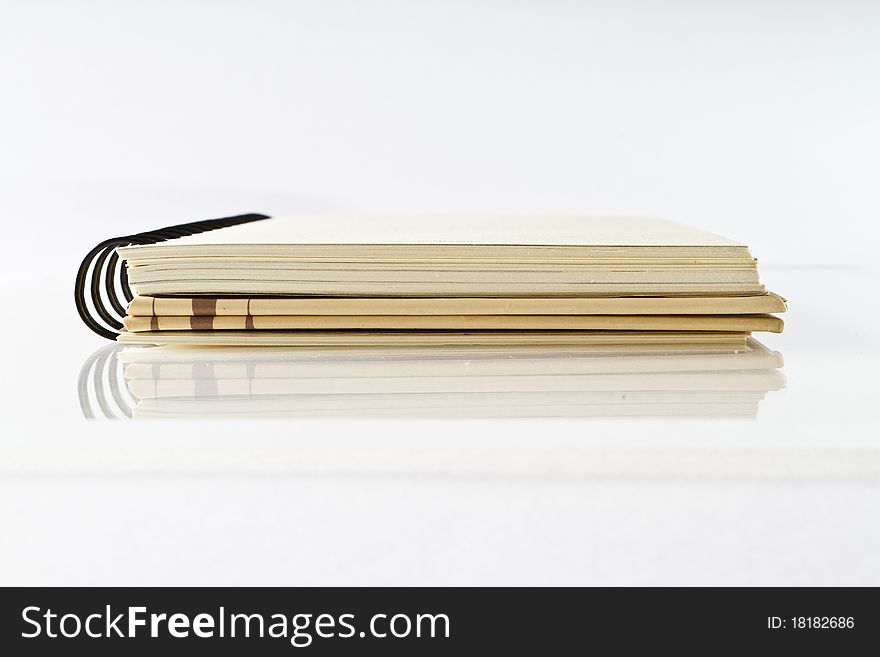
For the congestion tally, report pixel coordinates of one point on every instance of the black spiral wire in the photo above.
(102, 264)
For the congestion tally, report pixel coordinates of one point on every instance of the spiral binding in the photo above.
(102, 264)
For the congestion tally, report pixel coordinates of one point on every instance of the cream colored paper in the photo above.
(538, 230)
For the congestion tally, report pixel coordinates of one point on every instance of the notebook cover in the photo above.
(459, 322)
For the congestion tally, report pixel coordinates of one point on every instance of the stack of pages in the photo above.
(499, 382)
(331, 281)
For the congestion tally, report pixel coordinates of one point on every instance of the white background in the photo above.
(757, 120)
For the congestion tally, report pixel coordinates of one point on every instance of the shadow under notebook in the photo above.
(450, 382)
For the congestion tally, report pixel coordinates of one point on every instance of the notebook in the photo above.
(255, 279)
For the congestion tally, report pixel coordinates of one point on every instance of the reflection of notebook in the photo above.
(512, 280)
(665, 380)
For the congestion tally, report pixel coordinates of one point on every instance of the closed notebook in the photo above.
(327, 280)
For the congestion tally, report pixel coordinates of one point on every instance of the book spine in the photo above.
(102, 278)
